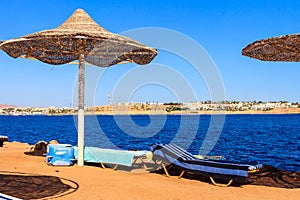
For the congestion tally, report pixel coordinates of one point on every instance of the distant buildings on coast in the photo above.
(246, 106)
(51, 110)
(159, 108)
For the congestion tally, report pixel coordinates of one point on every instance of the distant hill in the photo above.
(7, 106)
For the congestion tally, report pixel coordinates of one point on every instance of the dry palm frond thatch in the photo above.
(283, 48)
(79, 34)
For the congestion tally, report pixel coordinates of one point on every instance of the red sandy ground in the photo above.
(97, 183)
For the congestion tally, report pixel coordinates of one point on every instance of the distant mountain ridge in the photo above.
(7, 106)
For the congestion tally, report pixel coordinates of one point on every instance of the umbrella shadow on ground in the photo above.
(34, 186)
(273, 177)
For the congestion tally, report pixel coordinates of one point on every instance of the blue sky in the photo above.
(222, 28)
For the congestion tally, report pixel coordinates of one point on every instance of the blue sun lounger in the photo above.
(170, 154)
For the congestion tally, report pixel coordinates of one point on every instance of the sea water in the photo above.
(267, 139)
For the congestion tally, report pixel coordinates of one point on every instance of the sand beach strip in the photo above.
(29, 177)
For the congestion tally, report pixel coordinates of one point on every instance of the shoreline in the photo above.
(173, 113)
(163, 112)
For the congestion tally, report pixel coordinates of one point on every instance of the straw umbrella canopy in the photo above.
(283, 48)
(79, 38)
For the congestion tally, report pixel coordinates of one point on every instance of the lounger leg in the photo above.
(134, 161)
(116, 166)
(181, 174)
(158, 164)
(219, 184)
(102, 165)
(142, 162)
(145, 166)
(165, 169)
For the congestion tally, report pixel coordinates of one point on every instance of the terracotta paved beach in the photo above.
(90, 182)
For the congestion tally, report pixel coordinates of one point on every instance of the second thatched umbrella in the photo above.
(79, 38)
(283, 48)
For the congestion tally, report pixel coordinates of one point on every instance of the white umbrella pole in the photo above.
(80, 161)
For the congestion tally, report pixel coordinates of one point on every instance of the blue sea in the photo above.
(266, 139)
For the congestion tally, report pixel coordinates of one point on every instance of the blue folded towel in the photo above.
(109, 156)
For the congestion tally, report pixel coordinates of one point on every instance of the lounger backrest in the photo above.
(177, 152)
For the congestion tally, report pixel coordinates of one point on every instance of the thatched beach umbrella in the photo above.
(282, 48)
(79, 38)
